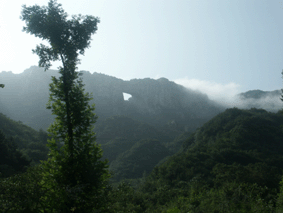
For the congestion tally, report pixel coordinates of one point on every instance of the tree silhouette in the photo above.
(74, 171)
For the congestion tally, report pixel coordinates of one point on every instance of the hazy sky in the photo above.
(222, 47)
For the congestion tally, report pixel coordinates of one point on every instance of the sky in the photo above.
(219, 47)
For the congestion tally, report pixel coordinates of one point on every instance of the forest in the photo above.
(193, 156)
(233, 163)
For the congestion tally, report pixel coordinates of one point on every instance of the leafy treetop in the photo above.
(67, 37)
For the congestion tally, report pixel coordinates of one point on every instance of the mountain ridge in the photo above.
(153, 101)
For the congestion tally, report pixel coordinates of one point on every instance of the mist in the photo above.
(229, 95)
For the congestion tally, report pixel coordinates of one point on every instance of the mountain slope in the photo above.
(153, 101)
(242, 146)
(140, 159)
(268, 100)
(29, 141)
(118, 134)
(11, 159)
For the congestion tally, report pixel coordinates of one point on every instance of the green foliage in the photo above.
(30, 142)
(22, 134)
(67, 38)
(23, 192)
(11, 160)
(124, 198)
(142, 157)
(193, 197)
(237, 144)
(133, 147)
(177, 144)
(73, 174)
(2, 85)
(223, 168)
(234, 163)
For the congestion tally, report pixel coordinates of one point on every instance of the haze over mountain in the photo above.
(229, 96)
(154, 101)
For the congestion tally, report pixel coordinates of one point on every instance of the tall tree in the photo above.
(75, 170)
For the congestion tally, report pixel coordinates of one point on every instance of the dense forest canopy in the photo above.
(235, 155)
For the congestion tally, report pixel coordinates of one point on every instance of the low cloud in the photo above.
(222, 93)
(227, 95)
(270, 103)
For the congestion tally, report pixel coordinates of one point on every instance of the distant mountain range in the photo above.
(259, 94)
(268, 100)
(156, 102)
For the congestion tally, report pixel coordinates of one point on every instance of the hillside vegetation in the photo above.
(117, 135)
(235, 146)
(233, 163)
(28, 141)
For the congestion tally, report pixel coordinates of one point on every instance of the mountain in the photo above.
(123, 139)
(258, 94)
(23, 135)
(20, 145)
(156, 102)
(140, 159)
(119, 136)
(235, 146)
(268, 100)
(158, 110)
(11, 159)
(233, 163)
